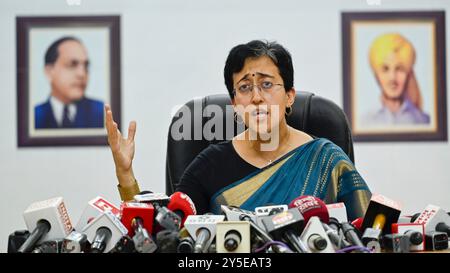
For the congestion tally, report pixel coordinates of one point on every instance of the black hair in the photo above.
(51, 55)
(257, 48)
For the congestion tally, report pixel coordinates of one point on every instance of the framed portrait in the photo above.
(394, 78)
(68, 68)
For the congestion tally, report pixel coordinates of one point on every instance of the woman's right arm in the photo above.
(123, 153)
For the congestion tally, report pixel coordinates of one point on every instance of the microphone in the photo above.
(186, 244)
(52, 246)
(124, 245)
(203, 229)
(233, 237)
(16, 239)
(104, 232)
(138, 220)
(270, 210)
(165, 218)
(182, 205)
(259, 235)
(48, 220)
(311, 206)
(434, 218)
(414, 217)
(237, 214)
(286, 226)
(262, 211)
(436, 240)
(335, 233)
(357, 223)
(168, 241)
(75, 242)
(374, 233)
(315, 237)
(381, 213)
(443, 227)
(94, 208)
(398, 243)
(350, 234)
(414, 232)
(337, 211)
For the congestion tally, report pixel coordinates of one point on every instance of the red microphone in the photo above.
(182, 205)
(311, 206)
(138, 219)
(131, 212)
(357, 223)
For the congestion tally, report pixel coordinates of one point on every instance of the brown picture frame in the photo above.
(358, 30)
(27, 133)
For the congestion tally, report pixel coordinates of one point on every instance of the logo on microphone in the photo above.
(386, 201)
(187, 198)
(306, 203)
(104, 206)
(282, 218)
(65, 218)
(426, 216)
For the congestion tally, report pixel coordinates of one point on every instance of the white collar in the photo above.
(58, 110)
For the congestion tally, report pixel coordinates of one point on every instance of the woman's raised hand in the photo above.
(122, 148)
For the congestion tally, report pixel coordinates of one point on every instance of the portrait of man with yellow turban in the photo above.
(392, 59)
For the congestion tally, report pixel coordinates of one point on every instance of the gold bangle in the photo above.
(127, 193)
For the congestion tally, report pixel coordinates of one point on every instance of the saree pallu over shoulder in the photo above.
(318, 168)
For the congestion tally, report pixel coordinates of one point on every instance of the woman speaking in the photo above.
(270, 162)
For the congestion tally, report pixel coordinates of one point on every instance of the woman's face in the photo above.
(392, 76)
(263, 106)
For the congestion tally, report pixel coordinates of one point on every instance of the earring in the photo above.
(237, 119)
(288, 113)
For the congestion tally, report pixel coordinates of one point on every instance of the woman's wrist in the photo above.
(125, 178)
(128, 186)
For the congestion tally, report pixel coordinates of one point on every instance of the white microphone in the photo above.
(337, 211)
(431, 217)
(235, 213)
(233, 237)
(414, 232)
(203, 229)
(75, 242)
(95, 207)
(315, 237)
(48, 220)
(104, 232)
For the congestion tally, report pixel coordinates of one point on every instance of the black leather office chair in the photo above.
(312, 114)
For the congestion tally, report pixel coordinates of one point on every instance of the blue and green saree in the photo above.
(318, 168)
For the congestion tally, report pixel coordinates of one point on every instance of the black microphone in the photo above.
(186, 244)
(443, 227)
(287, 226)
(165, 217)
(102, 237)
(167, 241)
(52, 246)
(42, 227)
(124, 245)
(16, 240)
(232, 240)
(351, 235)
(414, 237)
